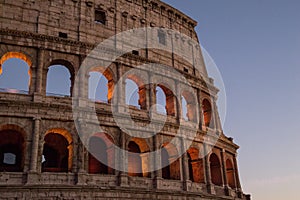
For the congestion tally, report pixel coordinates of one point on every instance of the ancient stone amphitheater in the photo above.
(48, 152)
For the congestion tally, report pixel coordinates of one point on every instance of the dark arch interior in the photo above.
(97, 156)
(207, 113)
(191, 172)
(230, 174)
(166, 174)
(11, 151)
(171, 162)
(215, 170)
(55, 153)
(134, 160)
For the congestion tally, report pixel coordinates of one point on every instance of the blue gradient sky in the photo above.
(256, 45)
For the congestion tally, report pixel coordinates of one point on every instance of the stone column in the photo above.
(123, 159)
(236, 174)
(82, 153)
(152, 94)
(225, 182)
(73, 156)
(200, 114)
(80, 158)
(82, 166)
(237, 180)
(186, 174)
(217, 120)
(185, 167)
(210, 188)
(149, 92)
(39, 75)
(39, 72)
(120, 90)
(177, 102)
(82, 85)
(32, 176)
(157, 163)
(35, 145)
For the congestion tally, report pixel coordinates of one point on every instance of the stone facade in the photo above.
(64, 32)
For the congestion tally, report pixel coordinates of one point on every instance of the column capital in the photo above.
(37, 118)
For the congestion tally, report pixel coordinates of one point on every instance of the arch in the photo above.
(132, 94)
(138, 158)
(169, 99)
(188, 106)
(195, 165)
(161, 101)
(230, 174)
(12, 148)
(15, 66)
(184, 110)
(207, 113)
(101, 84)
(101, 154)
(215, 170)
(60, 78)
(169, 159)
(19, 55)
(135, 91)
(57, 151)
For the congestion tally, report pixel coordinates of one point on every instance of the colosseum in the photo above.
(65, 137)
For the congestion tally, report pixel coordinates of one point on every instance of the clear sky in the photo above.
(256, 46)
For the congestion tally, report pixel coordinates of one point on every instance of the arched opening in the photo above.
(215, 170)
(15, 66)
(132, 94)
(59, 81)
(190, 165)
(195, 164)
(167, 98)
(11, 151)
(170, 162)
(138, 158)
(230, 174)
(184, 110)
(165, 162)
(101, 154)
(135, 91)
(189, 110)
(101, 85)
(97, 146)
(207, 113)
(98, 90)
(57, 151)
(161, 102)
(134, 160)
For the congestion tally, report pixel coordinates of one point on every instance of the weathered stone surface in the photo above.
(63, 32)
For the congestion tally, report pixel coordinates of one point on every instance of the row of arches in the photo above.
(101, 83)
(16, 66)
(57, 150)
(57, 155)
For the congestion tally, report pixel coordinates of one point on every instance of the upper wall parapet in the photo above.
(76, 19)
(166, 11)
